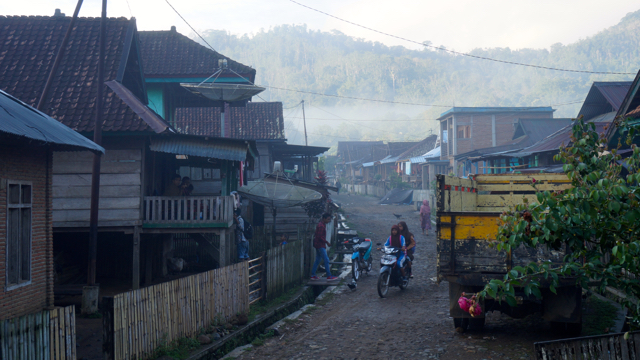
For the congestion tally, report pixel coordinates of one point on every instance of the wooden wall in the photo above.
(120, 188)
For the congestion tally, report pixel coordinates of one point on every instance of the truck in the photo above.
(467, 221)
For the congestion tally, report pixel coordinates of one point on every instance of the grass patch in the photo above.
(178, 349)
(259, 341)
(598, 316)
(310, 309)
(263, 306)
(325, 299)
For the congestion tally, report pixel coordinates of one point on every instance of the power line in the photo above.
(194, 30)
(456, 52)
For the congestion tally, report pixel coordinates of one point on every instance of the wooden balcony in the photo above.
(187, 212)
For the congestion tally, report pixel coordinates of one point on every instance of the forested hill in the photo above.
(334, 63)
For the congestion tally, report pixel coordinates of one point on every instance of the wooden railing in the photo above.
(50, 334)
(187, 211)
(135, 323)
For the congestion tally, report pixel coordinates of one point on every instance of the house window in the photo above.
(464, 132)
(18, 258)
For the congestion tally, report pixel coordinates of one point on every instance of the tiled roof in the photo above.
(420, 148)
(256, 121)
(173, 54)
(28, 46)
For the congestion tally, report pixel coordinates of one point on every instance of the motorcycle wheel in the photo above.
(403, 285)
(355, 269)
(383, 284)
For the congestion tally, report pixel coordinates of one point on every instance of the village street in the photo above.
(413, 323)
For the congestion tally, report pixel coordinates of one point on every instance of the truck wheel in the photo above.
(477, 323)
(461, 323)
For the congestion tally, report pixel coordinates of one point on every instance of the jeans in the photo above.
(321, 254)
(243, 250)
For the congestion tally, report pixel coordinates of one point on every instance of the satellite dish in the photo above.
(224, 92)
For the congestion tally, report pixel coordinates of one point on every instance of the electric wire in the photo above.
(459, 53)
(194, 30)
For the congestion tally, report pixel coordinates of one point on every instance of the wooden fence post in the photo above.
(108, 343)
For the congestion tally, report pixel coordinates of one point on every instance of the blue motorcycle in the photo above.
(361, 257)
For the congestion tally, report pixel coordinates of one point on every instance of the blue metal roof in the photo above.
(495, 110)
(216, 148)
(20, 119)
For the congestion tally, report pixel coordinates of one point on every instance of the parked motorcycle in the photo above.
(361, 258)
(390, 274)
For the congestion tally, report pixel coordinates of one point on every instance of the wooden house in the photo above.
(137, 224)
(28, 139)
(464, 129)
(408, 161)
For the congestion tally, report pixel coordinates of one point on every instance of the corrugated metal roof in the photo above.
(554, 141)
(389, 159)
(538, 129)
(604, 97)
(495, 110)
(369, 164)
(216, 148)
(20, 119)
(417, 160)
(433, 153)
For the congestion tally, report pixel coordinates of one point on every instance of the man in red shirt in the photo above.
(320, 243)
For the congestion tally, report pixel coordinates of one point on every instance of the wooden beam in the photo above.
(135, 266)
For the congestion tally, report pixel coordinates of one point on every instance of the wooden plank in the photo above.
(110, 155)
(106, 203)
(105, 191)
(104, 215)
(506, 178)
(105, 179)
(109, 167)
(523, 187)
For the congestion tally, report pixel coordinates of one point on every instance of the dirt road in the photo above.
(413, 323)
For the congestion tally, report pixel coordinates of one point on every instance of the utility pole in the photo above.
(91, 291)
(304, 120)
(59, 55)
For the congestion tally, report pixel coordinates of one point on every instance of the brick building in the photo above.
(27, 141)
(463, 129)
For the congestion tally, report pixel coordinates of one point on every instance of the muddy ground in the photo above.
(413, 323)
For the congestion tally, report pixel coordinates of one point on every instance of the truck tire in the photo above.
(477, 323)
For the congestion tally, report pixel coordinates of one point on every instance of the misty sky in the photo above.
(461, 25)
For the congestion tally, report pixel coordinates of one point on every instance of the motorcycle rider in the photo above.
(397, 241)
(410, 241)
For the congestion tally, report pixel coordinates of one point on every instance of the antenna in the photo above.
(304, 120)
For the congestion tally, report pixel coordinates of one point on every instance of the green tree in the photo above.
(596, 220)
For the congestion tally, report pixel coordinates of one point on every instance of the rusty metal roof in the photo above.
(215, 148)
(21, 120)
(604, 97)
(554, 141)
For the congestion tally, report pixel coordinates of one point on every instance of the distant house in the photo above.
(27, 140)
(528, 132)
(408, 161)
(351, 155)
(629, 108)
(604, 100)
(464, 129)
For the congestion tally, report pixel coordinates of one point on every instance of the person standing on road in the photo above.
(320, 243)
(425, 217)
(241, 242)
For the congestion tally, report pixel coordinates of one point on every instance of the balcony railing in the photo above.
(188, 211)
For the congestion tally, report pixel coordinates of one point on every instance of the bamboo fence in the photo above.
(141, 320)
(47, 335)
(285, 268)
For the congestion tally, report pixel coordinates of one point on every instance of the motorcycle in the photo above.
(390, 274)
(361, 258)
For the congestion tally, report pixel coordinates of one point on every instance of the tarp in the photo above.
(398, 196)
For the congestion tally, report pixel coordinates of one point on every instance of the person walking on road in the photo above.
(425, 217)
(241, 241)
(320, 243)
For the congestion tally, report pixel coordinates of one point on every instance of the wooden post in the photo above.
(223, 249)
(108, 343)
(135, 264)
(263, 283)
(150, 245)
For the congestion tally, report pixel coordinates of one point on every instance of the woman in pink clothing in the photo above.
(425, 217)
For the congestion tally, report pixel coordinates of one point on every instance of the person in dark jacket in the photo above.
(320, 244)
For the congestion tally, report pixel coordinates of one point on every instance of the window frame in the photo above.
(11, 286)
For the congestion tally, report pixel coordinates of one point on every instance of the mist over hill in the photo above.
(333, 63)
